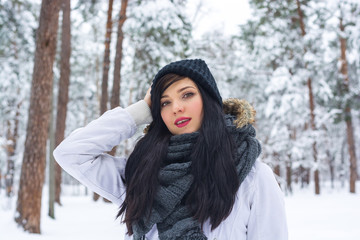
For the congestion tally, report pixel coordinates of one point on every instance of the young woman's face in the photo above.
(182, 107)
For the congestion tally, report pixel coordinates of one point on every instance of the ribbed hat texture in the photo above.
(196, 70)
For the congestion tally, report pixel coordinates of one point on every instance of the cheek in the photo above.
(165, 117)
(197, 107)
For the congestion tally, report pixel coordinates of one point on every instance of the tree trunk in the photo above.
(10, 149)
(33, 166)
(330, 158)
(63, 96)
(106, 63)
(51, 167)
(311, 104)
(12, 131)
(342, 160)
(307, 176)
(302, 176)
(106, 66)
(348, 119)
(288, 177)
(12, 137)
(115, 95)
(276, 169)
(313, 127)
(331, 161)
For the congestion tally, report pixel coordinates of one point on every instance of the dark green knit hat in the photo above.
(196, 70)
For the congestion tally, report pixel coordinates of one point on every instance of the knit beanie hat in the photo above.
(196, 70)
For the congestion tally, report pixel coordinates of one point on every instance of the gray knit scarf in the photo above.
(174, 219)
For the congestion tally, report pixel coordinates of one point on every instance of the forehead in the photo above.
(177, 85)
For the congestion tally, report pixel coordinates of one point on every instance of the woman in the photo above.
(194, 174)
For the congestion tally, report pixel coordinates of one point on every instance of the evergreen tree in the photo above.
(17, 23)
(344, 46)
(32, 172)
(63, 95)
(285, 44)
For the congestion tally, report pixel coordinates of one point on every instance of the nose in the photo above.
(178, 107)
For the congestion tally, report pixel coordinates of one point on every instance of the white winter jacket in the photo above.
(258, 212)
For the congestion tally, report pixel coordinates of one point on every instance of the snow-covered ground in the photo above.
(78, 218)
(334, 215)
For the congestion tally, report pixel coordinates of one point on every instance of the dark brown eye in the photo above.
(165, 103)
(187, 95)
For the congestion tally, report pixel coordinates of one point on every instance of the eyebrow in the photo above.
(180, 90)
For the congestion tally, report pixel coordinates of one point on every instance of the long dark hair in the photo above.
(213, 191)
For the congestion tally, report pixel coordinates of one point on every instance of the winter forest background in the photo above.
(296, 61)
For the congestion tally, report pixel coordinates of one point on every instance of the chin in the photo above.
(184, 131)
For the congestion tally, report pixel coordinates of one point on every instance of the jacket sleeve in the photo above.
(267, 220)
(82, 153)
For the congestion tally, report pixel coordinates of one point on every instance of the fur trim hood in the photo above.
(240, 108)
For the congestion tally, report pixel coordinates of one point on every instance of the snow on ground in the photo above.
(79, 218)
(334, 215)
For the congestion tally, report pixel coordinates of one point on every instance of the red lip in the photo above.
(184, 123)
